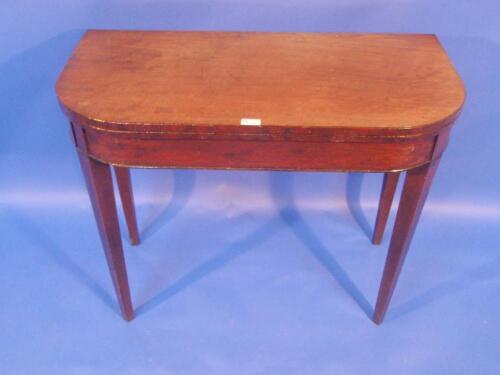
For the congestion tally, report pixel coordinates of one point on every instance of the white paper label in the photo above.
(251, 121)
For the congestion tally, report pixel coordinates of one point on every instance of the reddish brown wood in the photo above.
(327, 102)
(415, 190)
(100, 188)
(162, 150)
(167, 80)
(386, 196)
(127, 199)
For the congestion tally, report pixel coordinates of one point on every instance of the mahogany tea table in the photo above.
(260, 101)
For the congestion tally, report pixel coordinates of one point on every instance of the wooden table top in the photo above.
(124, 79)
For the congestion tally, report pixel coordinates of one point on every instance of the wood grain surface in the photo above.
(125, 79)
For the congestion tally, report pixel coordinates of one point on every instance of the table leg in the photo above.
(100, 188)
(386, 196)
(415, 190)
(125, 188)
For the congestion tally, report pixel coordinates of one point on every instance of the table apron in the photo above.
(161, 151)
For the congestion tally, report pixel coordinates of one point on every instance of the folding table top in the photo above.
(124, 79)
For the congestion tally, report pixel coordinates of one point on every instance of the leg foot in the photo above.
(415, 190)
(100, 188)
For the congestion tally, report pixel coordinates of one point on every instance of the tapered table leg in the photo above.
(386, 196)
(415, 190)
(125, 188)
(100, 188)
